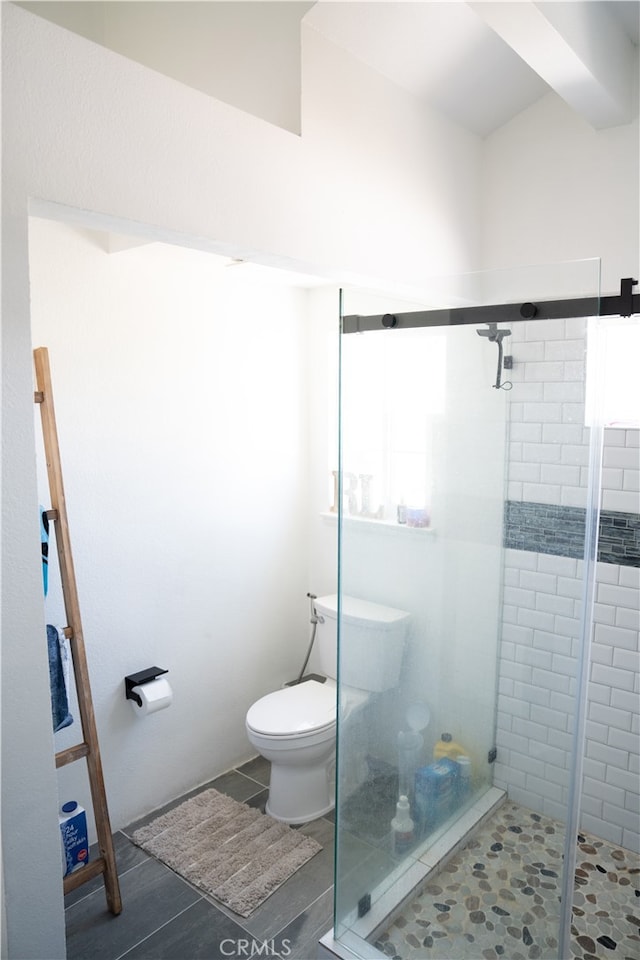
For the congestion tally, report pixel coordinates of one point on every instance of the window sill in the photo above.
(385, 527)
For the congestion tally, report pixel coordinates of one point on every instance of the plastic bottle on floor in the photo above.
(464, 778)
(402, 827)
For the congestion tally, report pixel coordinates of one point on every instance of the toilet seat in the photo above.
(306, 709)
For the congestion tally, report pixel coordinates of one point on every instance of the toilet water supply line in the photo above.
(314, 620)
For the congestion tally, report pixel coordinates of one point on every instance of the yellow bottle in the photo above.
(447, 747)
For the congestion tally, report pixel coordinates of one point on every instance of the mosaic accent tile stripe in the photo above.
(619, 538)
(559, 531)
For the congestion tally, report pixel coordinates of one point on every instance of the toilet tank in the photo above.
(372, 641)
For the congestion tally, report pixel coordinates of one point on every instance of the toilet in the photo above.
(295, 727)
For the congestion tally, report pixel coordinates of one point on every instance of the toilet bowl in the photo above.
(295, 727)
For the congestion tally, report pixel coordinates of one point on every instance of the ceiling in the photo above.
(478, 63)
(482, 63)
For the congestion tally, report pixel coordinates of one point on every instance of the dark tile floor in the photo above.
(165, 918)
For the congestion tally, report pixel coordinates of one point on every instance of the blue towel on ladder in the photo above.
(57, 658)
(44, 542)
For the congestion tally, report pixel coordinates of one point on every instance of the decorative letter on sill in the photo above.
(350, 492)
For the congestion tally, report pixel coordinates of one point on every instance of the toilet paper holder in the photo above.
(137, 679)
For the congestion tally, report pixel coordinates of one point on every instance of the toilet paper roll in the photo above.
(155, 695)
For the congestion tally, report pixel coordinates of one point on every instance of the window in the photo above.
(393, 389)
(613, 372)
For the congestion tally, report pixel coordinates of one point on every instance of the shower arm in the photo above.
(494, 335)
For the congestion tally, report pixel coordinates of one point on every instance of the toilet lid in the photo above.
(305, 708)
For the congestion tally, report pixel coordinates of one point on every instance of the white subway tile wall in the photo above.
(536, 700)
(549, 455)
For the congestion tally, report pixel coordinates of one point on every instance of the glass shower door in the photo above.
(466, 475)
(423, 479)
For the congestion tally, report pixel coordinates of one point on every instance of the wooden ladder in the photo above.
(105, 863)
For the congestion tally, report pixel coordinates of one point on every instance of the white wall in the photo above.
(376, 186)
(324, 335)
(554, 189)
(611, 792)
(181, 400)
(543, 599)
(247, 56)
(537, 698)
(31, 888)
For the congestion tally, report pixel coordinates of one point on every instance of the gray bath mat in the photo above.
(232, 852)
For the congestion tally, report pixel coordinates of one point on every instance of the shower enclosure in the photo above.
(470, 478)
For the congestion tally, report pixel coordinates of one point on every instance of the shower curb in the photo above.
(390, 902)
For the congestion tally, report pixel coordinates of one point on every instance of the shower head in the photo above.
(494, 335)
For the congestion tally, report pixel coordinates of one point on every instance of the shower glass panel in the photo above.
(466, 472)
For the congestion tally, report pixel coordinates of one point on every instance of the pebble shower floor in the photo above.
(499, 898)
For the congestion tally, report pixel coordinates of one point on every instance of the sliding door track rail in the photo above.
(625, 304)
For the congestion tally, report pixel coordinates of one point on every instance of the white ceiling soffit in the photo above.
(475, 62)
(442, 53)
(579, 48)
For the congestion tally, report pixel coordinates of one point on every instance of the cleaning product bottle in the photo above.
(435, 794)
(402, 827)
(73, 831)
(410, 744)
(464, 778)
(447, 747)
